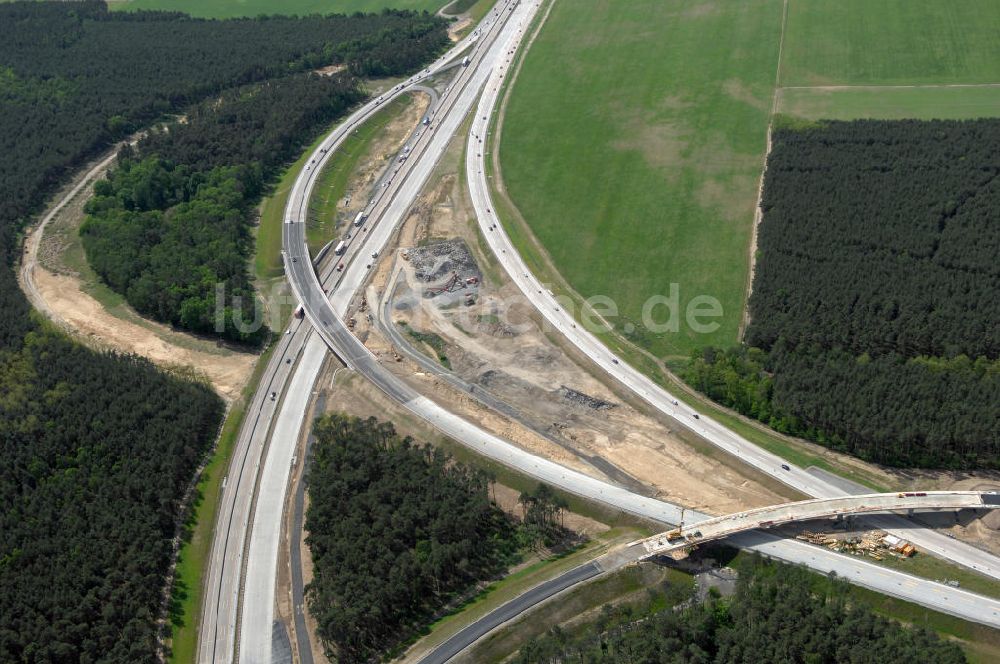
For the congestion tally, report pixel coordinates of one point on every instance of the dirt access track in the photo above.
(57, 291)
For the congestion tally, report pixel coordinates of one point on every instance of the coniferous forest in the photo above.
(778, 613)
(171, 225)
(396, 529)
(875, 311)
(97, 449)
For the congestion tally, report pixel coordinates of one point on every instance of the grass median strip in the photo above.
(332, 184)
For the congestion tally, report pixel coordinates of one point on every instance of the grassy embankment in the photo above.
(192, 560)
(434, 344)
(581, 605)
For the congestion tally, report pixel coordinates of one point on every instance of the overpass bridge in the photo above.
(680, 540)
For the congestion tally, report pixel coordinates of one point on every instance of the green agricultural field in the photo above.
(891, 103)
(891, 42)
(233, 8)
(633, 144)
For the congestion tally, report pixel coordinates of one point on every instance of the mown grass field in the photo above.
(889, 42)
(890, 103)
(234, 8)
(633, 144)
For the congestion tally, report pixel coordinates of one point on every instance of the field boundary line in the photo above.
(916, 86)
(781, 49)
(752, 261)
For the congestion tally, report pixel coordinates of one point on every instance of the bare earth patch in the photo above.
(506, 499)
(740, 91)
(51, 276)
(227, 373)
(525, 368)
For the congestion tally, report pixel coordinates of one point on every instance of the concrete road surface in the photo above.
(497, 41)
(325, 316)
(220, 625)
(817, 508)
(586, 342)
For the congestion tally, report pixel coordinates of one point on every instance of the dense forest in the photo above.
(97, 449)
(877, 294)
(170, 229)
(920, 412)
(75, 77)
(396, 529)
(171, 226)
(881, 236)
(779, 613)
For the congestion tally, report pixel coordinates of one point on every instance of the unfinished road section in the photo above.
(682, 539)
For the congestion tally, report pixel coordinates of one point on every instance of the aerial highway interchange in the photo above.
(239, 599)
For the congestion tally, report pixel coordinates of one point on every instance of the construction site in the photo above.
(873, 543)
(440, 315)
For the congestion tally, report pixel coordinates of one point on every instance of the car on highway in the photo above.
(785, 466)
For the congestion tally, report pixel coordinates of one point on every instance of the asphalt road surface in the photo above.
(511, 610)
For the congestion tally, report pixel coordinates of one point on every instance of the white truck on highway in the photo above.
(341, 248)
(360, 219)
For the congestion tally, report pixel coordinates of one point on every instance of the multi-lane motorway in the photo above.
(559, 319)
(248, 519)
(326, 316)
(256, 486)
